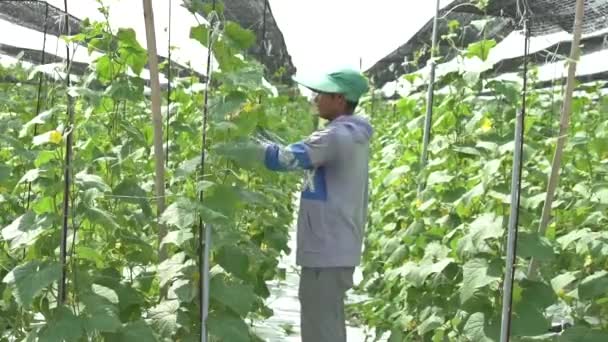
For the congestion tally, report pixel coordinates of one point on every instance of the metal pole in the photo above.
(67, 176)
(203, 251)
(429, 98)
(205, 272)
(507, 299)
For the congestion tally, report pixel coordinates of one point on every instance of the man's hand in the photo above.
(248, 154)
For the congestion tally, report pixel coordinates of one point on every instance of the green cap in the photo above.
(348, 82)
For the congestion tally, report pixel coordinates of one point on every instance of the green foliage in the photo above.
(118, 289)
(434, 261)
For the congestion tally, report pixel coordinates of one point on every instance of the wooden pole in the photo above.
(563, 127)
(156, 121)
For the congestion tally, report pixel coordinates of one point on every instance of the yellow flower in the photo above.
(249, 107)
(486, 125)
(588, 261)
(418, 202)
(55, 137)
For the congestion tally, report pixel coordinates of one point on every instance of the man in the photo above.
(333, 204)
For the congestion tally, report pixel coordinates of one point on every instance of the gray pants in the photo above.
(321, 293)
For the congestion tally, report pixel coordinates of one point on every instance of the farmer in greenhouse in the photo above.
(333, 206)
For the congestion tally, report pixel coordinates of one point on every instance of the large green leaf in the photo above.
(234, 260)
(100, 314)
(477, 274)
(28, 280)
(226, 327)
(595, 285)
(129, 191)
(237, 297)
(181, 214)
(439, 177)
(533, 245)
(563, 281)
(171, 268)
(475, 329)
(485, 227)
(480, 49)
(64, 326)
(25, 229)
(87, 181)
(164, 318)
(134, 331)
(242, 38)
(583, 334)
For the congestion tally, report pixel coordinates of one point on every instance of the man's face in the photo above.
(330, 106)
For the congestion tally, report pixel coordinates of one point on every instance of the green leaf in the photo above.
(439, 177)
(480, 49)
(171, 268)
(40, 119)
(475, 329)
(134, 331)
(431, 323)
(185, 290)
(201, 34)
(105, 292)
(234, 260)
(595, 285)
(528, 317)
(25, 229)
(28, 280)
(164, 318)
(88, 253)
(100, 216)
(177, 237)
(237, 297)
(395, 174)
(187, 167)
(131, 51)
(63, 326)
(129, 191)
(87, 181)
(181, 214)
(31, 175)
(562, 281)
(476, 275)
(533, 245)
(242, 38)
(227, 327)
(99, 312)
(486, 227)
(581, 333)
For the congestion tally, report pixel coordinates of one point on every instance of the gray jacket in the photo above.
(333, 203)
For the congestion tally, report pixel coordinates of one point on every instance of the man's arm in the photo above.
(318, 149)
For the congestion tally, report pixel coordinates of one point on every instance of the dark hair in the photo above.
(351, 106)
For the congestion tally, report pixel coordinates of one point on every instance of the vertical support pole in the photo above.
(429, 99)
(205, 271)
(507, 296)
(156, 121)
(67, 176)
(563, 128)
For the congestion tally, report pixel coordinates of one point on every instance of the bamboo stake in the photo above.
(156, 121)
(563, 128)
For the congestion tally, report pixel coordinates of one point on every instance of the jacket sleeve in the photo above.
(318, 149)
